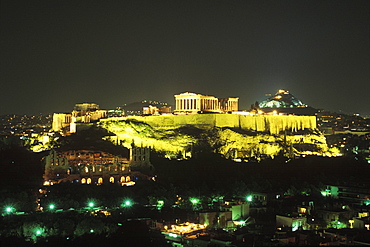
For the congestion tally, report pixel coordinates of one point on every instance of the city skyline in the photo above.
(57, 54)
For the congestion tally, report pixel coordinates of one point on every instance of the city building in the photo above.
(293, 222)
(231, 214)
(361, 223)
(353, 195)
(192, 103)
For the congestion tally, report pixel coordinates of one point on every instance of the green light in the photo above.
(241, 223)
(91, 204)
(194, 201)
(249, 198)
(38, 231)
(324, 193)
(9, 209)
(160, 204)
(91, 230)
(52, 206)
(127, 203)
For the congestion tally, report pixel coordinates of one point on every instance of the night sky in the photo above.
(57, 53)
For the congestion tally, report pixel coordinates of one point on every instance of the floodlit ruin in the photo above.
(237, 137)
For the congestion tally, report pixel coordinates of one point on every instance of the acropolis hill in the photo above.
(203, 122)
(231, 135)
(261, 123)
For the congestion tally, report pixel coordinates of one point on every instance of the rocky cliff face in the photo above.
(233, 136)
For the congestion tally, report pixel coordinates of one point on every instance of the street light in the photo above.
(90, 204)
(38, 231)
(249, 198)
(52, 206)
(194, 201)
(127, 203)
(9, 209)
(160, 204)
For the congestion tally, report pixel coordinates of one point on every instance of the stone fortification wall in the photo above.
(264, 123)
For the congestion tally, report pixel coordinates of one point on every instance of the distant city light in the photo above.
(38, 231)
(249, 198)
(9, 209)
(127, 203)
(160, 204)
(91, 204)
(194, 201)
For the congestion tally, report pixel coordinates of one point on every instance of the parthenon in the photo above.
(194, 103)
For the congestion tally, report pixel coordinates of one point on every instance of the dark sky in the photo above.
(58, 53)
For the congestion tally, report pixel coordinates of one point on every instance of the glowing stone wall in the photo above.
(261, 123)
(234, 136)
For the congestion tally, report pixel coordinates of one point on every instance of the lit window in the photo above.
(88, 181)
(86, 169)
(100, 180)
(123, 179)
(83, 181)
(111, 179)
(128, 179)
